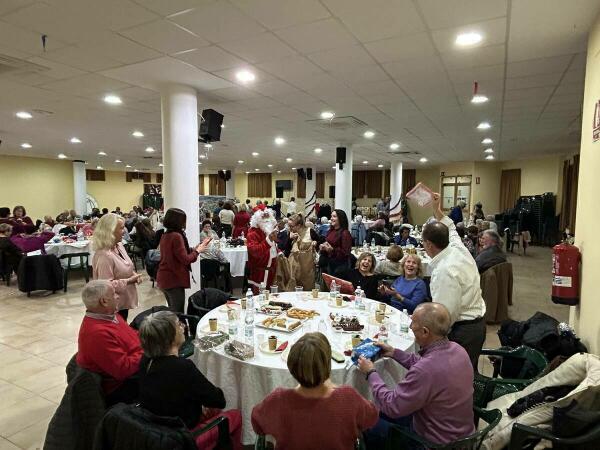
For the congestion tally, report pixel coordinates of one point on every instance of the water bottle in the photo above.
(232, 327)
(223, 239)
(80, 236)
(383, 334)
(261, 296)
(333, 291)
(404, 322)
(373, 243)
(359, 298)
(249, 318)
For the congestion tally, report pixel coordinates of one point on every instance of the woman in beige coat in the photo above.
(111, 262)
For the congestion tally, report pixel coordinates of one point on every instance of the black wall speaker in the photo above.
(332, 191)
(301, 173)
(340, 155)
(278, 192)
(210, 126)
(309, 173)
(225, 175)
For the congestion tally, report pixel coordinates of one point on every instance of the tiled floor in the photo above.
(38, 336)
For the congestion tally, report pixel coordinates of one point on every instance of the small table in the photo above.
(237, 257)
(63, 248)
(247, 383)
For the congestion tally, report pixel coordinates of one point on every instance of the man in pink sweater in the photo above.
(437, 389)
(107, 345)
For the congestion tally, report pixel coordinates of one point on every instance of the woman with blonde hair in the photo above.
(241, 222)
(316, 413)
(111, 261)
(301, 253)
(409, 290)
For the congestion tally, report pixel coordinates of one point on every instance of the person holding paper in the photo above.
(455, 281)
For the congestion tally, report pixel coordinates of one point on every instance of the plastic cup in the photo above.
(339, 300)
(274, 289)
(272, 343)
(299, 290)
(212, 324)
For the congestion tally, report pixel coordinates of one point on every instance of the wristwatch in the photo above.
(369, 373)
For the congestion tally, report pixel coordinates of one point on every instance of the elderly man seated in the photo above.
(437, 389)
(107, 345)
(491, 253)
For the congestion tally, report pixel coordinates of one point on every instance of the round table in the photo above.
(63, 248)
(237, 257)
(247, 383)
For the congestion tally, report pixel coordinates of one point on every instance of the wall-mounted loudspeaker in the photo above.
(332, 191)
(278, 192)
(210, 126)
(225, 175)
(340, 156)
(309, 174)
(301, 173)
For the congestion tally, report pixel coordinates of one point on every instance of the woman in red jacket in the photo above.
(241, 222)
(176, 257)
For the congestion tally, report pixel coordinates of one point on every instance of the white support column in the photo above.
(179, 107)
(230, 186)
(79, 187)
(311, 194)
(343, 184)
(395, 191)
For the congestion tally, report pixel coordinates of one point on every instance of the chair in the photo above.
(210, 271)
(40, 273)
(496, 290)
(526, 363)
(6, 269)
(400, 437)
(190, 324)
(261, 443)
(81, 266)
(523, 434)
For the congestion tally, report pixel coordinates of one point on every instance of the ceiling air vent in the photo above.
(337, 123)
(405, 153)
(11, 65)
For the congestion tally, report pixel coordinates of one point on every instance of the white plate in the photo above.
(224, 308)
(206, 329)
(333, 304)
(264, 347)
(288, 322)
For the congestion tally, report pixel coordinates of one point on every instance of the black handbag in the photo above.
(573, 420)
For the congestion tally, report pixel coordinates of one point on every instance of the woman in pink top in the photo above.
(316, 414)
(111, 261)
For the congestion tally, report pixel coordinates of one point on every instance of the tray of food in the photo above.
(345, 324)
(302, 314)
(280, 323)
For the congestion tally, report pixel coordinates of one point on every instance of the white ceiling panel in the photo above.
(362, 74)
(480, 56)
(218, 22)
(210, 59)
(86, 85)
(317, 36)
(287, 69)
(343, 58)
(415, 68)
(379, 19)
(274, 88)
(492, 31)
(119, 48)
(450, 14)
(538, 66)
(230, 75)
(168, 7)
(54, 69)
(550, 79)
(82, 59)
(275, 14)
(26, 41)
(164, 36)
(260, 48)
(402, 48)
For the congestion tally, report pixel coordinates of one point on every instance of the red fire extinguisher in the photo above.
(565, 274)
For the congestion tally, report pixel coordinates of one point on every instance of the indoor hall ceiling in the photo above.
(391, 64)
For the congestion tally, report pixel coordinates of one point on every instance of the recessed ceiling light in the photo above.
(327, 115)
(137, 134)
(423, 160)
(245, 76)
(62, 156)
(488, 150)
(369, 134)
(247, 172)
(256, 170)
(199, 163)
(23, 115)
(75, 140)
(101, 153)
(25, 145)
(112, 99)
(293, 168)
(333, 167)
(202, 156)
(135, 170)
(279, 171)
(380, 165)
(394, 146)
(127, 165)
(365, 162)
(490, 157)
(207, 145)
(487, 141)
(468, 39)
(240, 162)
(118, 161)
(149, 150)
(161, 165)
(99, 167)
(318, 150)
(269, 165)
(479, 99)
(484, 126)
(288, 159)
(279, 140)
(255, 153)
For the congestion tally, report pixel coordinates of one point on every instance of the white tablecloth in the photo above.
(247, 383)
(380, 255)
(367, 223)
(62, 248)
(237, 257)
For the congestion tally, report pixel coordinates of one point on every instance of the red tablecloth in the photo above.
(31, 243)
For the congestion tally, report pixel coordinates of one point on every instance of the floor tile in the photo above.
(55, 394)
(25, 368)
(7, 445)
(31, 437)
(12, 394)
(26, 413)
(44, 380)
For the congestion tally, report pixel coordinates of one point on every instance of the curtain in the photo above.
(358, 184)
(409, 180)
(201, 184)
(320, 185)
(95, 175)
(260, 185)
(216, 185)
(373, 180)
(159, 177)
(569, 194)
(301, 187)
(510, 188)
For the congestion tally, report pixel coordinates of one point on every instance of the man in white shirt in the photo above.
(291, 206)
(455, 282)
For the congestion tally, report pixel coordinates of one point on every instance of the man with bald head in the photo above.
(437, 389)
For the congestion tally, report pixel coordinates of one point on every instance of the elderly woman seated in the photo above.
(173, 386)
(391, 267)
(11, 254)
(316, 413)
(22, 222)
(409, 290)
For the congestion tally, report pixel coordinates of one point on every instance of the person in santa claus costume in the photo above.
(262, 249)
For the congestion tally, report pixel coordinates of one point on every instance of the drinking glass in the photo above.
(274, 289)
(299, 290)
